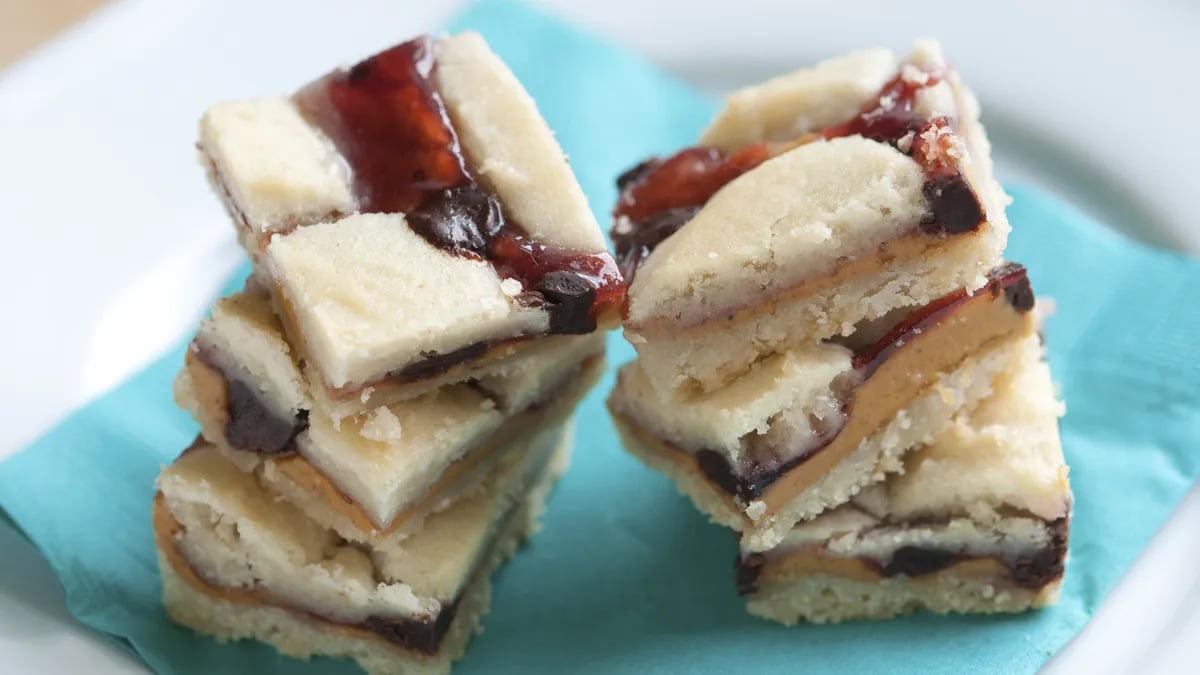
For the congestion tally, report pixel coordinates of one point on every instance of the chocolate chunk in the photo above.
(417, 635)
(748, 568)
(254, 427)
(1012, 279)
(461, 220)
(632, 174)
(1020, 295)
(750, 481)
(636, 241)
(433, 363)
(570, 298)
(954, 208)
(1046, 565)
(714, 465)
(915, 561)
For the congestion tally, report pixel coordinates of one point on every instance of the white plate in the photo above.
(113, 243)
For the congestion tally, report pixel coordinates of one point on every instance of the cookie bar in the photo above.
(804, 430)
(239, 563)
(377, 475)
(413, 217)
(814, 202)
(977, 522)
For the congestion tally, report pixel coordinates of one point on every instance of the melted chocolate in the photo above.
(433, 363)
(1047, 564)
(388, 121)
(1012, 278)
(747, 567)
(254, 427)
(751, 479)
(1033, 571)
(914, 561)
(422, 636)
(250, 424)
(689, 178)
(462, 220)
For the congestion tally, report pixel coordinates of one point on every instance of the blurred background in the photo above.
(114, 246)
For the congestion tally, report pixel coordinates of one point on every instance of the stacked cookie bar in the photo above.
(833, 358)
(386, 404)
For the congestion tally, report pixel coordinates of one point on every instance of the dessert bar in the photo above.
(378, 474)
(977, 522)
(413, 218)
(804, 430)
(814, 202)
(237, 563)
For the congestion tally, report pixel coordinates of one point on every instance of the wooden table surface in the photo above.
(25, 24)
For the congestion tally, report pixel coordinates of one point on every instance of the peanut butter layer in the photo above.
(166, 528)
(803, 563)
(896, 370)
(1031, 569)
(914, 245)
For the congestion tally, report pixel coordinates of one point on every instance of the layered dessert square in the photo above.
(413, 218)
(237, 563)
(806, 429)
(977, 522)
(377, 475)
(386, 404)
(815, 202)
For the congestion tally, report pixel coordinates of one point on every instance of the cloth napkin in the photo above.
(626, 576)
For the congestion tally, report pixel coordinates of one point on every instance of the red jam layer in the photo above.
(388, 121)
(670, 190)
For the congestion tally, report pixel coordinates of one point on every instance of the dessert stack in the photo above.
(834, 360)
(386, 404)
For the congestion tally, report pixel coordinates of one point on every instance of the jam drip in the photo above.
(749, 481)
(388, 121)
(664, 191)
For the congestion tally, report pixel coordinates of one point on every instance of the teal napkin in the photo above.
(627, 576)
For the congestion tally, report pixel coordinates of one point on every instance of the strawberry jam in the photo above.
(658, 192)
(388, 121)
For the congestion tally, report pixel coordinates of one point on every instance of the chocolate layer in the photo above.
(1033, 571)
(250, 424)
(424, 636)
(660, 195)
(752, 478)
(388, 121)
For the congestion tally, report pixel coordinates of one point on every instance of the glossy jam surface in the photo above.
(688, 178)
(387, 120)
(389, 123)
(890, 116)
(660, 191)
